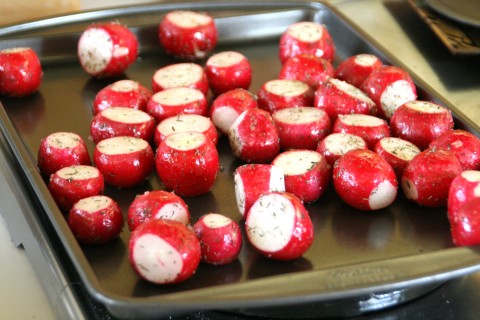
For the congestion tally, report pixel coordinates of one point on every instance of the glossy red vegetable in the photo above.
(20, 72)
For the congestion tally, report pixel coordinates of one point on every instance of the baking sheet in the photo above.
(354, 254)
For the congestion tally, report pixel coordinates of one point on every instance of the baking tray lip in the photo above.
(460, 260)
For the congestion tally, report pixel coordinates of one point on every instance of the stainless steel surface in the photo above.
(463, 11)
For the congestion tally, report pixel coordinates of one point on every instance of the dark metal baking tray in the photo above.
(359, 262)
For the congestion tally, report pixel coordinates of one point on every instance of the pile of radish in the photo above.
(357, 126)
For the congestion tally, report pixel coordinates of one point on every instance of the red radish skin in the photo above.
(306, 37)
(253, 137)
(278, 94)
(73, 183)
(307, 173)
(220, 238)
(389, 87)
(122, 93)
(122, 121)
(397, 152)
(420, 122)
(188, 34)
(59, 150)
(20, 72)
(253, 180)
(301, 127)
(464, 187)
(426, 179)
(185, 74)
(157, 204)
(175, 101)
(307, 68)
(163, 251)
(465, 145)
(355, 69)
(106, 50)
(124, 161)
(370, 128)
(95, 220)
(227, 107)
(465, 224)
(185, 123)
(279, 227)
(335, 145)
(187, 163)
(228, 70)
(339, 97)
(364, 180)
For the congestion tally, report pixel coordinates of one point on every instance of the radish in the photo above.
(336, 145)
(186, 74)
(427, 177)
(307, 173)
(301, 127)
(124, 161)
(122, 121)
(465, 145)
(364, 180)
(306, 37)
(420, 122)
(164, 251)
(279, 227)
(61, 149)
(187, 163)
(188, 34)
(107, 49)
(397, 152)
(20, 72)
(278, 94)
(157, 204)
(227, 107)
(220, 238)
(464, 187)
(253, 180)
(355, 69)
(95, 220)
(185, 123)
(174, 101)
(253, 137)
(370, 128)
(73, 183)
(465, 225)
(228, 70)
(122, 93)
(307, 68)
(340, 97)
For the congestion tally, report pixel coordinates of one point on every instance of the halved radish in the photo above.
(157, 204)
(164, 251)
(20, 72)
(465, 224)
(122, 93)
(364, 180)
(301, 127)
(70, 184)
(174, 101)
(185, 123)
(397, 152)
(336, 145)
(465, 145)
(253, 180)
(188, 34)
(228, 70)
(279, 226)
(464, 187)
(227, 107)
(278, 94)
(107, 49)
(59, 150)
(187, 163)
(420, 122)
(184, 74)
(122, 121)
(370, 128)
(307, 68)
(124, 161)
(220, 238)
(307, 173)
(355, 69)
(306, 37)
(253, 137)
(95, 220)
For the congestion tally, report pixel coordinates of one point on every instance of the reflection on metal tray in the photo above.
(364, 260)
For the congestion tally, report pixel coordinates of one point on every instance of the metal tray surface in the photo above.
(367, 259)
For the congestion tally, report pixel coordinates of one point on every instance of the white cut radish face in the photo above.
(94, 203)
(156, 259)
(409, 189)
(126, 115)
(400, 148)
(366, 60)
(341, 143)
(184, 123)
(299, 115)
(189, 19)
(426, 107)
(225, 59)
(296, 162)
(306, 31)
(178, 96)
(240, 195)
(351, 90)
(395, 95)
(78, 172)
(287, 88)
(215, 220)
(95, 50)
(173, 211)
(185, 140)
(65, 140)
(223, 118)
(125, 86)
(382, 196)
(121, 145)
(178, 75)
(361, 120)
